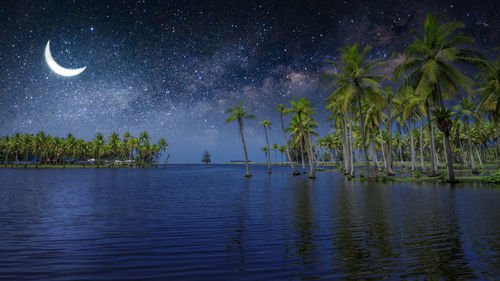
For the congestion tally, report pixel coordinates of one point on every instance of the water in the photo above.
(197, 222)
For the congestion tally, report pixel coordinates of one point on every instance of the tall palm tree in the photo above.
(267, 124)
(466, 110)
(282, 111)
(238, 113)
(430, 67)
(303, 108)
(114, 145)
(98, 146)
(282, 150)
(298, 137)
(357, 81)
(274, 147)
(26, 144)
(489, 89)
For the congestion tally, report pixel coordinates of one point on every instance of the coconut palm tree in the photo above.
(282, 150)
(356, 81)
(282, 111)
(238, 113)
(489, 89)
(163, 144)
(114, 146)
(303, 108)
(298, 137)
(267, 124)
(466, 110)
(98, 143)
(274, 147)
(429, 64)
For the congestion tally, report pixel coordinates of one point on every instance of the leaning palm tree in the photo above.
(282, 111)
(303, 108)
(238, 113)
(267, 124)
(356, 81)
(430, 67)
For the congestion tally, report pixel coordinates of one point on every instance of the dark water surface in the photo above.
(196, 222)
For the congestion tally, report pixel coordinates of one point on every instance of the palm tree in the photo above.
(162, 143)
(98, 144)
(356, 81)
(26, 144)
(489, 89)
(114, 146)
(298, 137)
(267, 124)
(282, 150)
(429, 64)
(274, 147)
(303, 109)
(238, 113)
(466, 110)
(282, 111)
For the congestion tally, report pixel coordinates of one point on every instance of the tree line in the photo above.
(406, 116)
(43, 149)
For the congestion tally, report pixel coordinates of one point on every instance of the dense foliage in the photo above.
(44, 149)
(411, 123)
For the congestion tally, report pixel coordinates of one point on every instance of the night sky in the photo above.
(173, 68)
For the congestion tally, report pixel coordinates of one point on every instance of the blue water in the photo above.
(208, 222)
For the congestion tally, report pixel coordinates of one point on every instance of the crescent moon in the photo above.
(57, 68)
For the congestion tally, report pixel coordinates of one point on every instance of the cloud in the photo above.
(388, 68)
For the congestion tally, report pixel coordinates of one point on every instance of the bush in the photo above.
(362, 176)
(319, 169)
(417, 174)
(349, 177)
(493, 178)
(341, 168)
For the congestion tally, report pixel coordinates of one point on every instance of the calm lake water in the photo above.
(208, 222)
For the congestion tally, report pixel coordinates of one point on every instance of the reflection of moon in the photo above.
(57, 68)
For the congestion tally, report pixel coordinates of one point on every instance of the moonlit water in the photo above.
(208, 222)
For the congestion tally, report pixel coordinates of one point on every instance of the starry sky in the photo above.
(173, 67)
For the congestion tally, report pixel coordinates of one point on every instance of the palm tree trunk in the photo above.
(479, 157)
(449, 157)
(389, 148)
(400, 148)
(268, 158)
(351, 151)
(422, 163)
(444, 151)
(290, 160)
(464, 158)
(412, 145)
(345, 147)
(498, 136)
(363, 137)
(434, 170)
(471, 155)
(240, 122)
(382, 141)
(302, 154)
(26, 153)
(309, 151)
(375, 158)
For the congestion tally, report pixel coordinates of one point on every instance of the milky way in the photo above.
(173, 68)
